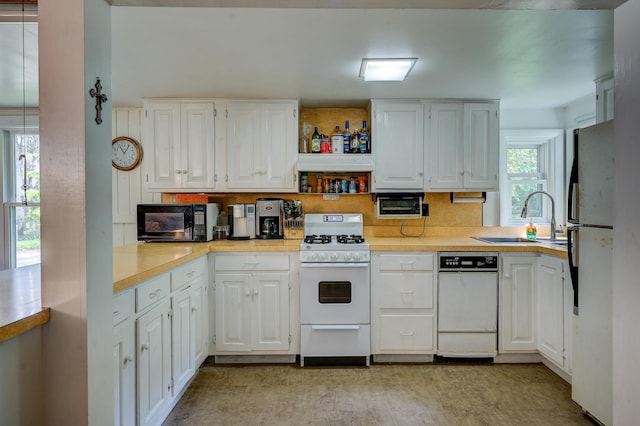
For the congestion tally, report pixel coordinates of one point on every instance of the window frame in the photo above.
(551, 143)
(8, 259)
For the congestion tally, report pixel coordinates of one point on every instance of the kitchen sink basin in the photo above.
(504, 239)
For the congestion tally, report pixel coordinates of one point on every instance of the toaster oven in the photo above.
(399, 206)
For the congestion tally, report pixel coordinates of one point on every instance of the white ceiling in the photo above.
(525, 58)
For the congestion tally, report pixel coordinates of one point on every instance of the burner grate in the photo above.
(350, 239)
(317, 239)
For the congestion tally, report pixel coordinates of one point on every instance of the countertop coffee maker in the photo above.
(242, 221)
(269, 218)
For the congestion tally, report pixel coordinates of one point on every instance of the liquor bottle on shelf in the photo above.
(315, 141)
(364, 139)
(355, 142)
(347, 138)
(337, 141)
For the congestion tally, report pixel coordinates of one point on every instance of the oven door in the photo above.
(334, 293)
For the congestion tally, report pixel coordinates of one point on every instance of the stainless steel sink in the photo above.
(504, 239)
(562, 243)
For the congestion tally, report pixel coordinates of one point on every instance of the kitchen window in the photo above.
(531, 160)
(21, 198)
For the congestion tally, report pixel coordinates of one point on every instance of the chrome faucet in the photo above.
(523, 215)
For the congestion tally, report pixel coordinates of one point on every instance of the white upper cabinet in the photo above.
(445, 153)
(397, 143)
(262, 145)
(179, 146)
(462, 146)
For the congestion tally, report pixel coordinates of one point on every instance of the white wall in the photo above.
(127, 186)
(626, 199)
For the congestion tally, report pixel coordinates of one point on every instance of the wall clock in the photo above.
(126, 153)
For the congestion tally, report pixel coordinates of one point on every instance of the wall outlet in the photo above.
(425, 210)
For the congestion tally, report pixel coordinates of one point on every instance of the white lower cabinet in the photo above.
(160, 338)
(403, 311)
(153, 332)
(517, 319)
(252, 304)
(124, 362)
(551, 309)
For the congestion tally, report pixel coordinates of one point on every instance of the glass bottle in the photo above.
(347, 138)
(337, 141)
(315, 141)
(355, 142)
(364, 138)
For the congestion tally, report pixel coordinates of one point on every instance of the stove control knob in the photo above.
(314, 256)
(347, 256)
(356, 256)
(335, 256)
(322, 256)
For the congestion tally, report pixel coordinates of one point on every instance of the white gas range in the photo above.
(335, 288)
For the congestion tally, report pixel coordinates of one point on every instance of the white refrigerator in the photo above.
(590, 265)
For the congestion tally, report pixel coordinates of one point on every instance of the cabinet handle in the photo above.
(406, 265)
(178, 172)
(407, 333)
(406, 292)
(247, 293)
(116, 313)
(254, 293)
(144, 348)
(184, 172)
(194, 309)
(190, 274)
(127, 359)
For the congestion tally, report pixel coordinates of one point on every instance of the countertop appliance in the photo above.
(467, 304)
(269, 218)
(399, 206)
(334, 289)
(590, 252)
(176, 222)
(242, 221)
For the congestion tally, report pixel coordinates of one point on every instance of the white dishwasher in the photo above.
(467, 304)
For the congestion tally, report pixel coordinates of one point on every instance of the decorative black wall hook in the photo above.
(100, 98)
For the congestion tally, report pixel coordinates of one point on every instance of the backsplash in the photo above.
(442, 213)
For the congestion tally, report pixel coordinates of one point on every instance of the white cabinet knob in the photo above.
(127, 359)
(144, 348)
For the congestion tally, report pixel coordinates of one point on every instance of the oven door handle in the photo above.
(335, 265)
(335, 327)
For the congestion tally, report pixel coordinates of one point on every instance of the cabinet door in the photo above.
(182, 340)
(445, 153)
(270, 300)
(398, 133)
(200, 318)
(233, 312)
(551, 309)
(244, 166)
(197, 153)
(481, 146)
(161, 146)
(154, 363)
(124, 374)
(517, 306)
(278, 146)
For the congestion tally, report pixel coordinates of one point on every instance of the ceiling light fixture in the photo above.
(386, 69)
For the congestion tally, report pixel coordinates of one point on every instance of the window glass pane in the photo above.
(522, 160)
(27, 149)
(27, 234)
(519, 193)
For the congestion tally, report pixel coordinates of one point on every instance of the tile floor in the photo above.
(423, 394)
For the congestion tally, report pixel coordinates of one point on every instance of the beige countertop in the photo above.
(20, 303)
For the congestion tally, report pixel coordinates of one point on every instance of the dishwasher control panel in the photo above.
(466, 261)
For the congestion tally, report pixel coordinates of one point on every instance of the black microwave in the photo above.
(177, 222)
(399, 206)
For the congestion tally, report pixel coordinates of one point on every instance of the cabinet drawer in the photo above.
(122, 306)
(407, 262)
(406, 333)
(406, 290)
(252, 263)
(181, 275)
(152, 290)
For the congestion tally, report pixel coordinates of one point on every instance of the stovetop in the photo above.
(334, 237)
